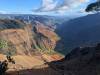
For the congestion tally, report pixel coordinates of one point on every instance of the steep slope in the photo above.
(83, 31)
(80, 61)
(44, 38)
(9, 24)
(19, 39)
(30, 47)
(50, 21)
(25, 39)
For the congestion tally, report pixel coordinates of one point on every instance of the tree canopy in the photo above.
(93, 7)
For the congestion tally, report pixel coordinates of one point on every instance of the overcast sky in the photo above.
(45, 7)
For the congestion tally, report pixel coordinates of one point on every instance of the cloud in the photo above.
(47, 5)
(3, 12)
(70, 5)
(60, 6)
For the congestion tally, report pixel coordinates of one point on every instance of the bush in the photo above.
(3, 44)
(7, 48)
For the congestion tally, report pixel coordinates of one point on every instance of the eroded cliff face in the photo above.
(44, 38)
(18, 38)
(30, 38)
(80, 61)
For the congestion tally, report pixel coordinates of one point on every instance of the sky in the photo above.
(44, 7)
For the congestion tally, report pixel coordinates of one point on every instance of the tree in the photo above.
(3, 67)
(93, 7)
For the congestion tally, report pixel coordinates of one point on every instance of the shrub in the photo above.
(7, 48)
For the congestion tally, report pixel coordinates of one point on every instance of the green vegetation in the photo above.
(44, 44)
(11, 49)
(3, 67)
(7, 48)
(3, 44)
(93, 7)
(42, 49)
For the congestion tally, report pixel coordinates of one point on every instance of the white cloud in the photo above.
(60, 6)
(70, 5)
(47, 5)
(3, 12)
